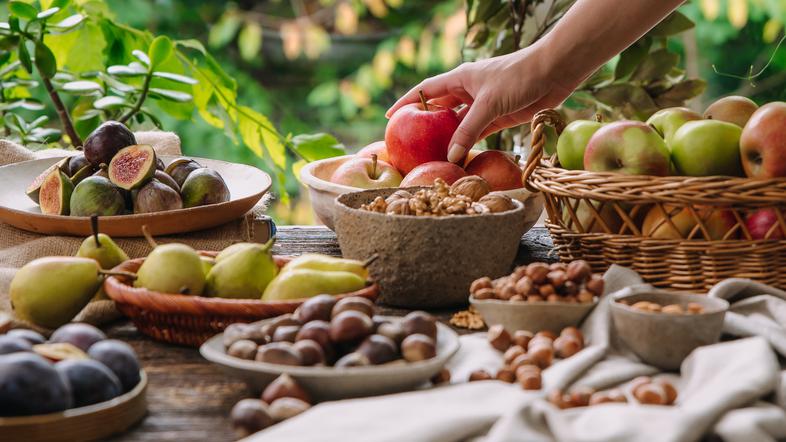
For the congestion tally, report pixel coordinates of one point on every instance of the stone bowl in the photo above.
(427, 262)
(532, 316)
(665, 340)
(322, 193)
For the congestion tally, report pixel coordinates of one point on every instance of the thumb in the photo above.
(478, 117)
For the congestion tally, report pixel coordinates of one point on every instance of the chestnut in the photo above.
(249, 416)
(236, 332)
(378, 349)
(286, 333)
(311, 353)
(316, 331)
(282, 353)
(498, 337)
(443, 377)
(580, 397)
(287, 407)
(355, 303)
(284, 386)
(479, 375)
(350, 325)
(418, 347)
(392, 330)
(420, 322)
(651, 394)
(318, 308)
(506, 375)
(353, 359)
(285, 319)
(243, 349)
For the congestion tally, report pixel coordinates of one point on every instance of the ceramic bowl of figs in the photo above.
(538, 296)
(336, 349)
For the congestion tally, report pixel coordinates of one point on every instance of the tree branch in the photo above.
(142, 97)
(62, 112)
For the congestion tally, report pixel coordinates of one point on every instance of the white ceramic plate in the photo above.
(328, 383)
(246, 185)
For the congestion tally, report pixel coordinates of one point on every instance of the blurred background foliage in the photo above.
(336, 65)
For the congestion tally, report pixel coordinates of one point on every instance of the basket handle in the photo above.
(545, 117)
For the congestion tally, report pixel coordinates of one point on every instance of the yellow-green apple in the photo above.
(718, 223)
(763, 142)
(426, 173)
(707, 147)
(418, 133)
(376, 148)
(366, 173)
(627, 147)
(499, 169)
(603, 219)
(732, 109)
(573, 141)
(667, 121)
(762, 224)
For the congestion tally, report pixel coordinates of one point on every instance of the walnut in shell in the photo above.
(399, 207)
(497, 202)
(399, 195)
(471, 186)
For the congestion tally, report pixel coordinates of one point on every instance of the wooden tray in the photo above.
(246, 185)
(93, 422)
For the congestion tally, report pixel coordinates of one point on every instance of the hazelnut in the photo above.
(284, 386)
(585, 297)
(546, 289)
(508, 291)
(251, 332)
(695, 308)
(541, 355)
(553, 298)
(498, 337)
(512, 353)
(392, 330)
(282, 353)
(517, 298)
(355, 303)
(573, 331)
(579, 271)
(558, 266)
(535, 298)
(559, 399)
(655, 308)
(537, 272)
(671, 392)
(318, 308)
(443, 377)
(479, 375)
(641, 305)
(379, 349)
(651, 394)
(497, 202)
(580, 397)
(529, 379)
(605, 397)
(353, 359)
(546, 334)
(638, 382)
(420, 322)
(484, 294)
(472, 186)
(350, 325)
(569, 288)
(318, 331)
(540, 341)
(286, 333)
(243, 349)
(480, 283)
(286, 407)
(249, 416)
(672, 309)
(557, 278)
(524, 286)
(595, 285)
(566, 346)
(418, 347)
(521, 360)
(311, 352)
(506, 375)
(522, 338)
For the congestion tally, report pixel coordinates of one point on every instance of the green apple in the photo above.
(627, 147)
(667, 121)
(707, 147)
(573, 141)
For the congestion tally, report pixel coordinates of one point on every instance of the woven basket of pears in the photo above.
(192, 320)
(678, 232)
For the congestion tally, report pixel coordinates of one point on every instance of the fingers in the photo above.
(434, 87)
(450, 101)
(478, 117)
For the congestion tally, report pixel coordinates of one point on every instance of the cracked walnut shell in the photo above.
(471, 186)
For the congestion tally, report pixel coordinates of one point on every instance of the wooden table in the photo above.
(190, 399)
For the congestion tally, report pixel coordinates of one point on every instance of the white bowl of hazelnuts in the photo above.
(538, 296)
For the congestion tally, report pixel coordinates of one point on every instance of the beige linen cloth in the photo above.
(732, 389)
(18, 247)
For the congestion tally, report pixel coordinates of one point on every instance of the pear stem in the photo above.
(152, 242)
(94, 226)
(423, 100)
(599, 118)
(374, 166)
(120, 273)
(371, 260)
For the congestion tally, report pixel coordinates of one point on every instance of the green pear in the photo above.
(50, 291)
(103, 249)
(234, 248)
(207, 264)
(667, 121)
(316, 261)
(172, 268)
(305, 283)
(573, 141)
(244, 274)
(707, 147)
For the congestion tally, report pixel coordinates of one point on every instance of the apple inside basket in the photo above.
(192, 320)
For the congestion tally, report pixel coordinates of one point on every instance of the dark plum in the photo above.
(91, 381)
(78, 334)
(30, 385)
(120, 358)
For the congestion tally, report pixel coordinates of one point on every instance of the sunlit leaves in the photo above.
(224, 30)
(160, 49)
(346, 21)
(249, 41)
(22, 10)
(313, 147)
(738, 13)
(771, 30)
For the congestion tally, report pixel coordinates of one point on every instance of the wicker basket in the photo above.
(603, 218)
(192, 320)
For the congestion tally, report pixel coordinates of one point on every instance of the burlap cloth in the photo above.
(18, 247)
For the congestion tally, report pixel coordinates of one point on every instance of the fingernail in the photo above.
(456, 153)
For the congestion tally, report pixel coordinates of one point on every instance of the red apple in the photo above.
(471, 156)
(763, 142)
(500, 169)
(418, 133)
(366, 173)
(761, 225)
(426, 173)
(376, 148)
(627, 147)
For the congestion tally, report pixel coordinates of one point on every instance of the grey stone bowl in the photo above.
(531, 316)
(427, 262)
(665, 340)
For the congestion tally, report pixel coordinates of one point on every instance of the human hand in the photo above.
(499, 93)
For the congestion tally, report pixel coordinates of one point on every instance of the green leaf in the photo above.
(43, 15)
(10, 68)
(192, 44)
(167, 94)
(253, 126)
(82, 87)
(681, 92)
(175, 77)
(656, 65)
(110, 102)
(160, 49)
(13, 24)
(317, 146)
(27, 104)
(141, 56)
(45, 61)
(39, 121)
(68, 23)
(675, 23)
(249, 41)
(22, 10)
(631, 57)
(116, 85)
(224, 30)
(59, 3)
(133, 70)
(24, 57)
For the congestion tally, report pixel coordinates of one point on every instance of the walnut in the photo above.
(441, 188)
(398, 195)
(471, 186)
(378, 205)
(497, 202)
(478, 209)
(399, 207)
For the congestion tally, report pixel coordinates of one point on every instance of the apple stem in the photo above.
(599, 117)
(120, 273)
(94, 226)
(423, 100)
(152, 242)
(374, 165)
(516, 159)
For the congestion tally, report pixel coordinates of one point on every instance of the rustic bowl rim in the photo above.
(524, 304)
(717, 305)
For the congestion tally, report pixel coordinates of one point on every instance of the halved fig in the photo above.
(34, 187)
(133, 166)
(55, 194)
